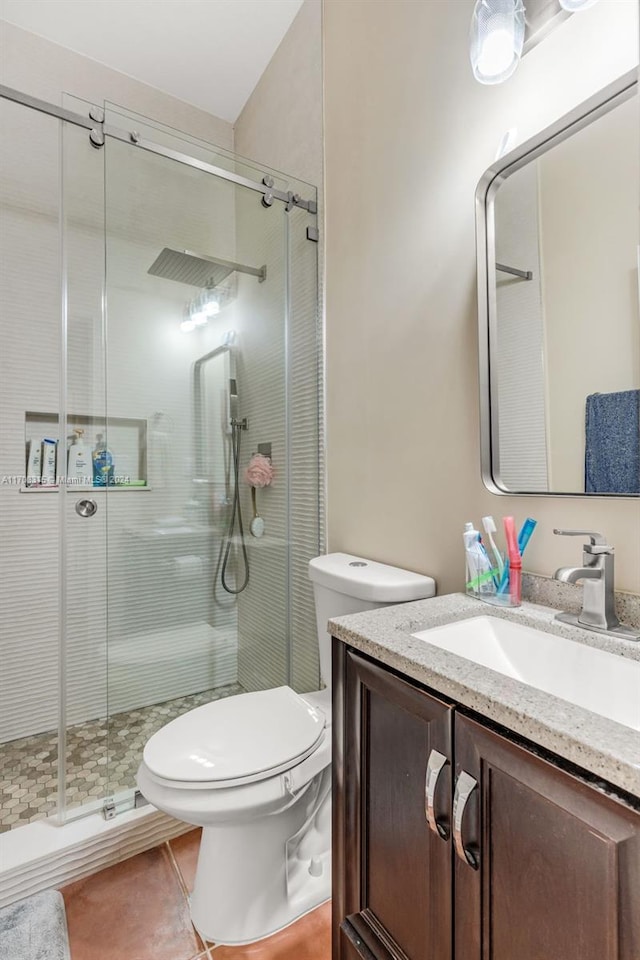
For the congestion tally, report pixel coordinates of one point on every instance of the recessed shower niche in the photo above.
(125, 438)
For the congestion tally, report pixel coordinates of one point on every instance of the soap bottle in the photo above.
(102, 459)
(78, 469)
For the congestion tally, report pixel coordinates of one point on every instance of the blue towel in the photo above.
(612, 442)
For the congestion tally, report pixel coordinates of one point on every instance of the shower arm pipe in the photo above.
(231, 265)
(198, 423)
(515, 272)
(101, 130)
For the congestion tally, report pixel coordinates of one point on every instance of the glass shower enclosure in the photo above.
(159, 327)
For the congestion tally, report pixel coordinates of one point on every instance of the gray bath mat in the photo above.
(35, 928)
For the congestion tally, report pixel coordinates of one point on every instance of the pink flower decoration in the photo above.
(259, 473)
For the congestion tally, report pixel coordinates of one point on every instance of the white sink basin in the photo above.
(602, 682)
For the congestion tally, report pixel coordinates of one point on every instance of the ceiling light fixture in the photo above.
(496, 39)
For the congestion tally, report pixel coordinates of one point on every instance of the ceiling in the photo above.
(210, 53)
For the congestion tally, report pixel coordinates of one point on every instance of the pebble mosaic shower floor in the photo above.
(97, 751)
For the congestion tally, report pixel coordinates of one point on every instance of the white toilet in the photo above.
(254, 771)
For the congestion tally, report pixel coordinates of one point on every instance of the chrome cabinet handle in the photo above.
(465, 785)
(436, 763)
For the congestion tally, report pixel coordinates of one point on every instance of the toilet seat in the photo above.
(235, 741)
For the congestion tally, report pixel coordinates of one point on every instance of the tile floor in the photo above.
(138, 910)
(102, 757)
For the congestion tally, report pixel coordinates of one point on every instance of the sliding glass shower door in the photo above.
(159, 328)
(197, 341)
(53, 683)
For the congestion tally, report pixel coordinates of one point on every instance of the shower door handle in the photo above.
(86, 508)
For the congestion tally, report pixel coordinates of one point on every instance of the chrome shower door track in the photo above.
(97, 129)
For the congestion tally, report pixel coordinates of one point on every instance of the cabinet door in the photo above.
(555, 864)
(392, 879)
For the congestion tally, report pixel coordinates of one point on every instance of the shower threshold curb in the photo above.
(42, 856)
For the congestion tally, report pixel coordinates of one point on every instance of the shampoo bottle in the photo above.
(102, 459)
(78, 468)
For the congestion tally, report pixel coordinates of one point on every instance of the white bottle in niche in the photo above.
(79, 469)
(49, 448)
(34, 463)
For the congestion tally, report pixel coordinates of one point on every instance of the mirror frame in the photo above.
(596, 106)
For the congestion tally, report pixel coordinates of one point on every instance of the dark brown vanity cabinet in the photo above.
(392, 874)
(451, 842)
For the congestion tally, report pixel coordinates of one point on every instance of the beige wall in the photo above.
(408, 134)
(46, 70)
(281, 122)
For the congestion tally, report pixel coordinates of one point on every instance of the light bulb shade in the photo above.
(212, 307)
(573, 5)
(496, 39)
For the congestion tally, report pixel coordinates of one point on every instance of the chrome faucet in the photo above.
(598, 601)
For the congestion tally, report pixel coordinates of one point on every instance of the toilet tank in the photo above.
(344, 584)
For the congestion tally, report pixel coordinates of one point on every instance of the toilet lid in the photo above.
(242, 736)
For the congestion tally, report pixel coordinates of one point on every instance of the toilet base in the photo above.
(255, 877)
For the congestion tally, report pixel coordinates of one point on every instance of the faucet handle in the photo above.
(597, 544)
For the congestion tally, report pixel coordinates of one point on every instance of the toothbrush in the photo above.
(523, 539)
(515, 560)
(491, 574)
(525, 533)
(490, 528)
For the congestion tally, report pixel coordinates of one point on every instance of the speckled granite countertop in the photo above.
(600, 746)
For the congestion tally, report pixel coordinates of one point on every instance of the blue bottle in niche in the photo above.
(103, 468)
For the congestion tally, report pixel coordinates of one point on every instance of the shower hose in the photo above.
(236, 512)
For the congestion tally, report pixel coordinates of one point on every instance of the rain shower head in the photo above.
(197, 269)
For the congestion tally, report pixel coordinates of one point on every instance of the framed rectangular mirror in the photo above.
(558, 302)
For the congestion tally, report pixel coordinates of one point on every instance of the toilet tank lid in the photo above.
(368, 580)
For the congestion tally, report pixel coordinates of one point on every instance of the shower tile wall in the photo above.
(29, 289)
(305, 355)
(262, 608)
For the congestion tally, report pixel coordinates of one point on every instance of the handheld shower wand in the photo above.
(237, 426)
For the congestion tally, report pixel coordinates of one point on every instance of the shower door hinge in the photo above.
(109, 808)
(96, 134)
(313, 234)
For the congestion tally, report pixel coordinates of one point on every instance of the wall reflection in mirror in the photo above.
(564, 327)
